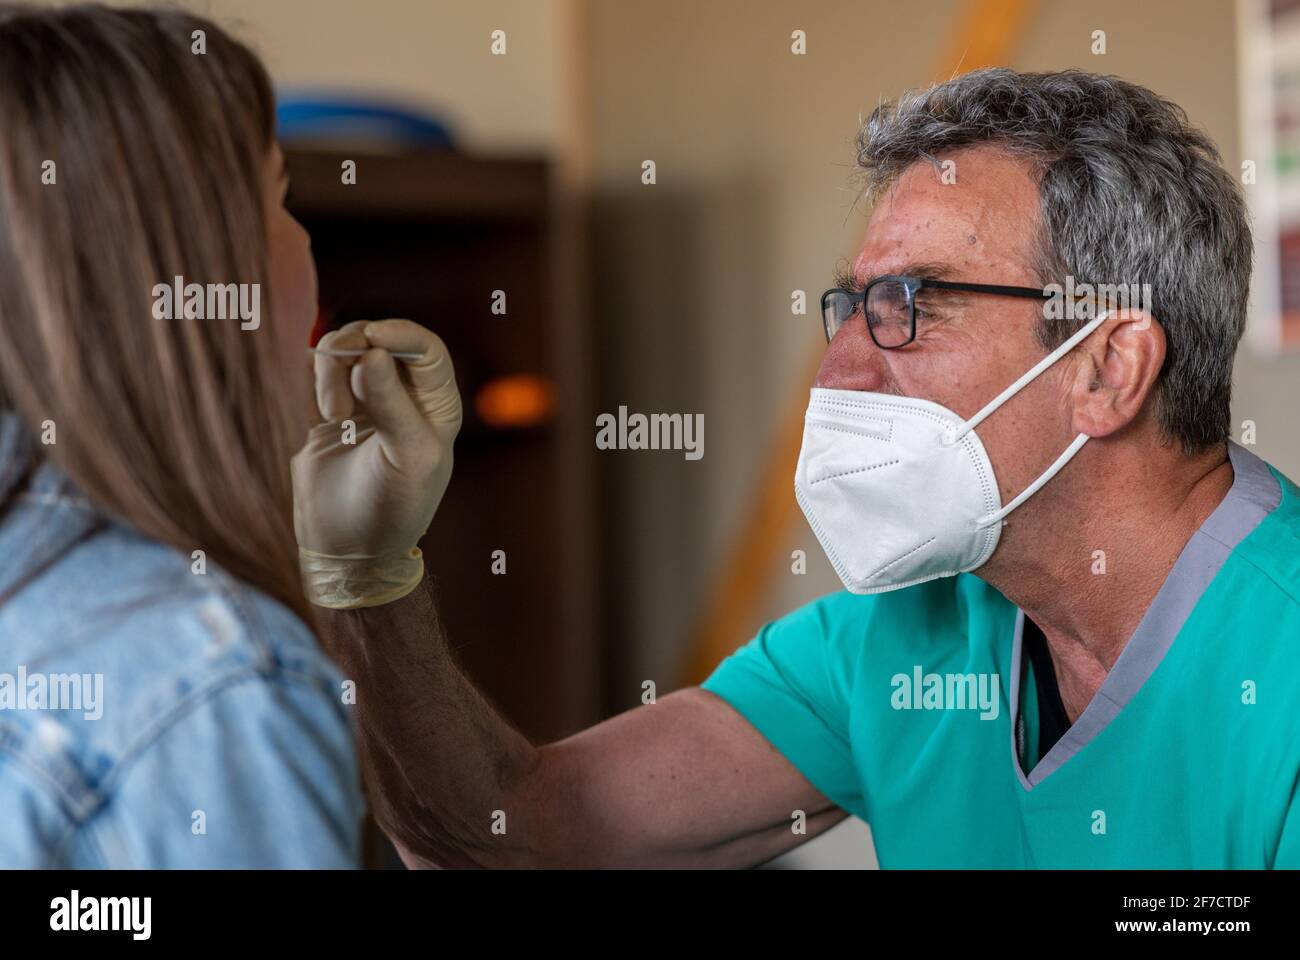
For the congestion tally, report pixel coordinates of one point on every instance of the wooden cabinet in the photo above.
(431, 237)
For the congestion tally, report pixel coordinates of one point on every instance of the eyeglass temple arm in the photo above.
(1010, 291)
(998, 288)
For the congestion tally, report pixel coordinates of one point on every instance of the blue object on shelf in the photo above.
(306, 117)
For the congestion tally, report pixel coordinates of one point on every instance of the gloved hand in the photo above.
(360, 508)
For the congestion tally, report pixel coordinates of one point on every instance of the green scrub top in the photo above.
(901, 708)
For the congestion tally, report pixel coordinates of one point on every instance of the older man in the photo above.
(1072, 637)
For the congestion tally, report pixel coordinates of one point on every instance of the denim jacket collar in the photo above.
(42, 513)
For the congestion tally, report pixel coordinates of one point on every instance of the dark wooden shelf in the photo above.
(431, 185)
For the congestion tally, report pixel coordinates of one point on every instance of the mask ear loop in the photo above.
(1077, 338)
(1030, 490)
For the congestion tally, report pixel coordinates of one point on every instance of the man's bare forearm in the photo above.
(441, 765)
(686, 781)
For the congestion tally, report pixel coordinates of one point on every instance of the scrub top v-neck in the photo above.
(905, 708)
(1042, 719)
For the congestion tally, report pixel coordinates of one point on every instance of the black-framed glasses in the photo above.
(890, 305)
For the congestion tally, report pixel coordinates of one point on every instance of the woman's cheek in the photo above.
(293, 287)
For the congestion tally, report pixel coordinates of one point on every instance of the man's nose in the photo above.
(852, 361)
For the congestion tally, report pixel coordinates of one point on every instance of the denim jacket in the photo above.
(151, 716)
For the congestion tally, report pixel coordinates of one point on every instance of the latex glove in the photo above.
(361, 508)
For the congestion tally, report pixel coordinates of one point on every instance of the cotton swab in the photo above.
(357, 353)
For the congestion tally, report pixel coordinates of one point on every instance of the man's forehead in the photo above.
(972, 213)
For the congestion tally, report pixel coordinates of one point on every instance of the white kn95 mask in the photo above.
(899, 490)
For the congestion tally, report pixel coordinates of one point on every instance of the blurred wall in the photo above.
(432, 53)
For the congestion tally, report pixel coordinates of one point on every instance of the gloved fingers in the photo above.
(433, 376)
(333, 396)
(403, 433)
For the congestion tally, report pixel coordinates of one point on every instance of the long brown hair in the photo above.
(175, 427)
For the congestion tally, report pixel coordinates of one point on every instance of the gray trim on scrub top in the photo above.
(1254, 494)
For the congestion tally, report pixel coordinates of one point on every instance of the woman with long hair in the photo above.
(164, 701)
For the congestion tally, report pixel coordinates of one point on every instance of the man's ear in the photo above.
(1117, 372)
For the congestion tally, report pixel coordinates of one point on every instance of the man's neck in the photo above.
(1086, 563)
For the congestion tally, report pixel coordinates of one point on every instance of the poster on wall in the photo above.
(1269, 69)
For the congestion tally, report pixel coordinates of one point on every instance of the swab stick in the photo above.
(357, 353)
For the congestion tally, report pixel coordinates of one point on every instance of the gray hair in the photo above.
(1130, 193)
